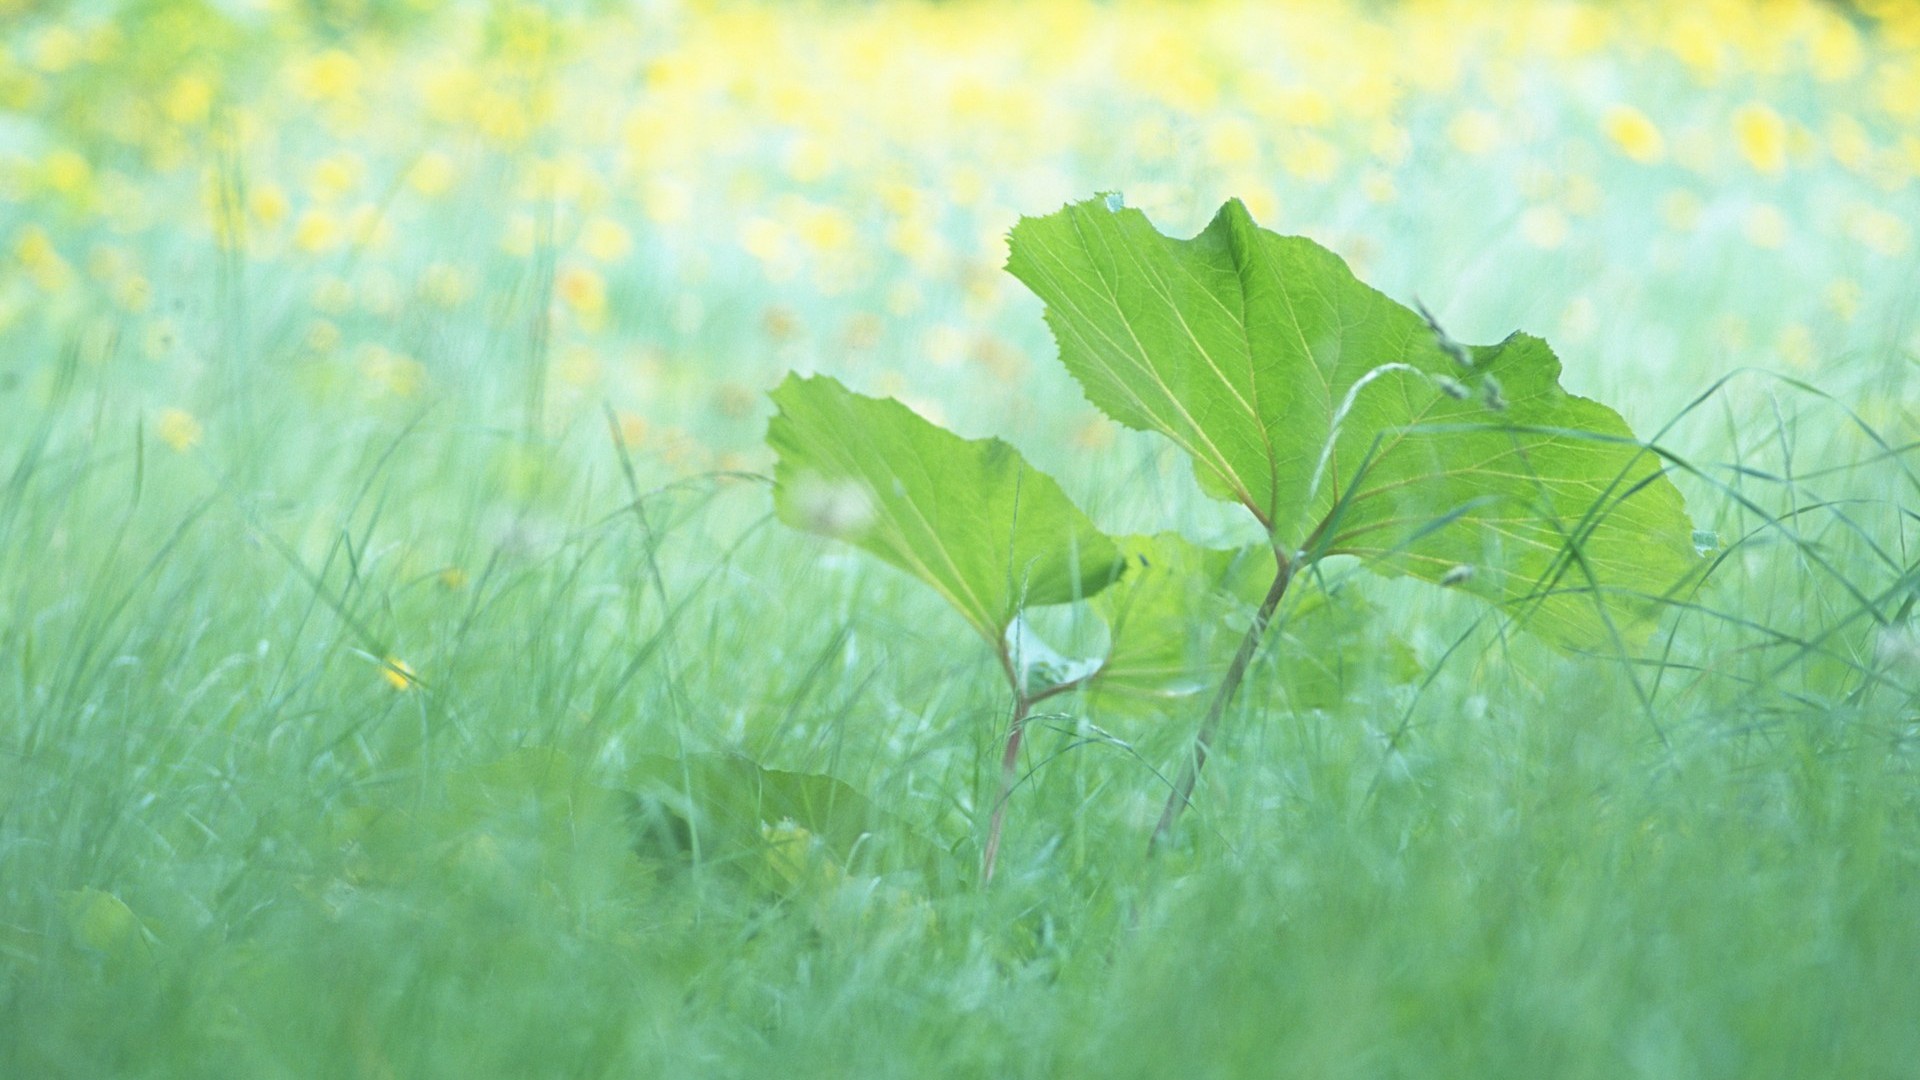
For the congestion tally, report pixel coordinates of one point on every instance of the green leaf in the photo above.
(1346, 423)
(1176, 619)
(969, 517)
(766, 823)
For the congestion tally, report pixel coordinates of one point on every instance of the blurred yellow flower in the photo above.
(1762, 137)
(666, 202)
(584, 292)
(1834, 52)
(823, 228)
(1882, 231)
(337, 175)
(632, 427)
(330, 76)
(606, 240)
(398, 674)
(66, 172)
(189, 100)
(1474, 132)
(1849, 143)
(323, 336)
(333, 295)
(1544, 227)
(132, 292)
(1843, 298)
(385, 372)
(1680, 210)
(1312, 158)
(433, 175)
(268, 204)
(178, 429)
(1634, 134)
(1231, 142)
(56, 49)
(161, 338)
(1795, 345)
(445, 285)
(809, 161)
(316, 232)
(764, 239)
(42, 261)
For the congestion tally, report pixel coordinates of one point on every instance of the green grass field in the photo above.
(394, 628)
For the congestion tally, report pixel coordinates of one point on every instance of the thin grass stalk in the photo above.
(1182, 792)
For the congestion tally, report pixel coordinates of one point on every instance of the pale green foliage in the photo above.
(1347, 424)
(1177, 616)
(969, 517)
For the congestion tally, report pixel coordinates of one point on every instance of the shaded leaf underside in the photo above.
(969, 517)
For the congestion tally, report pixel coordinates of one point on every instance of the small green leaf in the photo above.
(760, 821)
(1176, 619)
(105, 924)
(969, 517)
(1347, 423)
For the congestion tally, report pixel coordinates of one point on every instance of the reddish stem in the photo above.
(1009, 762)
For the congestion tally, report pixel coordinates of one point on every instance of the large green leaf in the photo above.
(1347, 423)
(969, 517)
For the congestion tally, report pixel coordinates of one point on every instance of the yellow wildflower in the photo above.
(1474, 132)
(822, 228)
(268, 204)
(606, 240)
(1634, 134)
(331, 76)
(445, 285)
(584, 291)
(1849, 143)
(1681, 210)
(398, 674)
(323, 336)
(337, 175)
(1762, 136)
(66, 172)
(1844, 297)
(433, 175)
(1885, 233)
(1795, 345)
(390, 373)
(42, 261)
(189, 100)
(56, 49)
(1544, 227)
(1231, 141)
(1834, 52)
(317, 231)
(178, 429)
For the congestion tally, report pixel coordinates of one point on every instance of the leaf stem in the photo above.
(1009, 763)
(1236, 673)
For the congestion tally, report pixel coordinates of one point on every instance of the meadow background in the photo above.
(381, 405)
